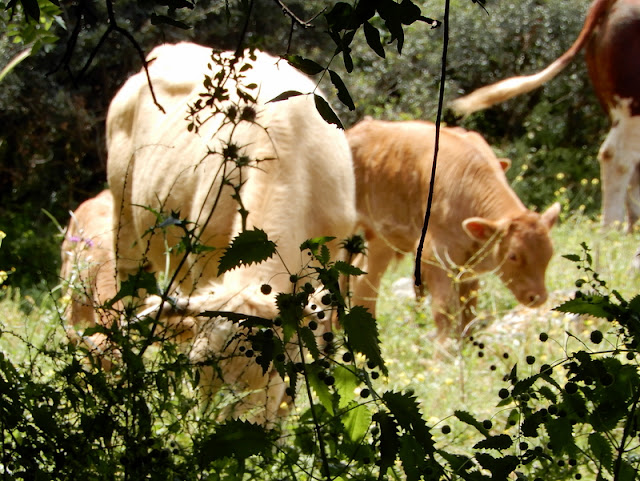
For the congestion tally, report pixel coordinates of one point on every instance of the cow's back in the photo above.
(393, 160)
(302, 187)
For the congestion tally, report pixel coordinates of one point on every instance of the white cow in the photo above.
(299, 184)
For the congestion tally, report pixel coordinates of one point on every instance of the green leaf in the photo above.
(238, 317)
(165, 20)
(602, 450)
(357, 421)
(309, 340)
(595, 306)
(340, 16)
(524, 385)
(326, 112)
(531, 424)
(291, 313)
(458, 462)
(572, 257)
(343, 92)
(347, 269)
(234, 439)
(412, 456)
(548, 393)
(634, 304)
(285, 95)
(248, 247)
(499, 442)
(389, 441)
(627, 472)
(406, 410)
(500, 467)
(315, 243)
(346, 383)
(372, 35)
(361, 333)
(31, 9)
(467, 418)
(305, 65)
(141, 280)
(319, 387)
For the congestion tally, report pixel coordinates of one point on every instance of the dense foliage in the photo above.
(64, 416)
(52, 154)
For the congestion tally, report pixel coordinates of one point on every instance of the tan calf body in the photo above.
(477, 221)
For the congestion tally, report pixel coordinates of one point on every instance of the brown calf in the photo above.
(477, 221)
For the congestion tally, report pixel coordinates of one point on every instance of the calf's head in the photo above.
(520, 250)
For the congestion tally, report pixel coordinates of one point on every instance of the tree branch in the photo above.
(294, 18)
(427, 215)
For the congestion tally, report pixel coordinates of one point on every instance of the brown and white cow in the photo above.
(296, 179)
(477, 221)
(611, 37)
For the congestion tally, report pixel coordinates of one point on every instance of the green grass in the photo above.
(465, 376)
(468, 376)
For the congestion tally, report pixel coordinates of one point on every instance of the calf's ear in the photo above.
(550, 216)
(479, 229)
(505, 163)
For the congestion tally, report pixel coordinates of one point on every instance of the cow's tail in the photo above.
(503, 90)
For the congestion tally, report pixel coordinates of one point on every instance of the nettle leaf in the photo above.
(499, 442)
(343, 92)
(524, 385)
(319, 387)
(602, 450)
(627, 472)
(248, 247)
(315, 244)
(291, 313)
(326, 112)
(572, 257)
(237, 317)
(595, 306)
(531, 424)
(467, 418)
(500, 467)
(389, 440)
(285, 95)
(234, 439)
(356, 421)
(560, 431)
(346, 383)
(548, 393)
(372, 35)
(309, 340)
(141, 280)
(412, 456)
(459, 463)
(634, 304)
(406, 410)
(361, 332)
(347, 269)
